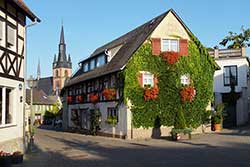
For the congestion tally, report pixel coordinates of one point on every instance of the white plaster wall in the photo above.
(119, 129)
(15, 130)
(242, 67)
(242, 108)
(168, 27)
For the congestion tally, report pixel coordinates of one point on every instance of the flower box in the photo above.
(69, 99)
(5, 159)
(181, 134)
(109, 94)
(171, 57)
(187, 94)
(151, 93)
(79, 99)
(93, 98)
(17, 158)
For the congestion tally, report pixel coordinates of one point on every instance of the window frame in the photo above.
(113, 112)
(11, 106)
(228, 77)
(151, 77)
(169, 45)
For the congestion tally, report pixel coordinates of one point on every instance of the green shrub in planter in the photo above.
(180, 122)
(111, 120)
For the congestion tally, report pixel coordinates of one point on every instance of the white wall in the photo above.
(14, 130)
(119, 129)
(242, 67)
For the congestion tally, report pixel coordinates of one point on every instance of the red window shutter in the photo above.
(156, 46)
(183, 47)
(140, 79)
(155, 81)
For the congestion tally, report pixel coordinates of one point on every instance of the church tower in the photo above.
(62, 66)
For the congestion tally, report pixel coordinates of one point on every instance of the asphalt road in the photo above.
(59, 149)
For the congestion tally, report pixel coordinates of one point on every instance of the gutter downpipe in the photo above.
(24, 83)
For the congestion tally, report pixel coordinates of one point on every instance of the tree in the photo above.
(234, 40)
(56, 108)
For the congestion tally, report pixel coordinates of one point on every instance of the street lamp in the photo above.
(32, 83)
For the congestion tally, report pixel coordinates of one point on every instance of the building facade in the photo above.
(126, 78)
(13, 15)
(233, 65)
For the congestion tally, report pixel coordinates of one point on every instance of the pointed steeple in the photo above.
(62, 36)
(38, 70)
(61, 60)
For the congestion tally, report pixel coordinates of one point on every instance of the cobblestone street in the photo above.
(229, 148)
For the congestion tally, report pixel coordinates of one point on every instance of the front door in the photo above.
(85, 119)
(229, 115)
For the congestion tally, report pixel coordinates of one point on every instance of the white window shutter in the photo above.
(1, 30)
(11, 36)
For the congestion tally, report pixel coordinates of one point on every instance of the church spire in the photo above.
(62, 36)
(62, 60)
(38, 70)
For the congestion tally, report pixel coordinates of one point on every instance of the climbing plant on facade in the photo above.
(197, 64)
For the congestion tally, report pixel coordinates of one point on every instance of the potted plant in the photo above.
(17, 157)
(5, 159)
(109, 94)
(111, 120)
(217, 117)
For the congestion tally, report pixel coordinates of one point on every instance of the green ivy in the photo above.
(198, 64)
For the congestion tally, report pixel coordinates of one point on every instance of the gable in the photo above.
(170, 27)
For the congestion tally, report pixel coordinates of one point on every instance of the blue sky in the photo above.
(90, 24)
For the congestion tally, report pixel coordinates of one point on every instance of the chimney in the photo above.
(216, 52)
(243, 51)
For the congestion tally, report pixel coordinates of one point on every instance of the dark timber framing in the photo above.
(16, 63)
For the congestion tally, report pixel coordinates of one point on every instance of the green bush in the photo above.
(111, 120)
(179, 122)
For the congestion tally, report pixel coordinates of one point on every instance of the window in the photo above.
(57, 73)
(148, 79)
(1, 29)
(66, 73)
(100, 61)
(86, 67)
(230, 75)
(92, 64)
(170, 45)
(11, 36)
(6, 106)
(112, 112)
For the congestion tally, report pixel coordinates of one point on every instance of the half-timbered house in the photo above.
(121, 83)
(13, 21)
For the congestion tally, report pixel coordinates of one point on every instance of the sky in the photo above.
(88, 24)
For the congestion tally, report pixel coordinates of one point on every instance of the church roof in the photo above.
(46, 84)
(40, 97)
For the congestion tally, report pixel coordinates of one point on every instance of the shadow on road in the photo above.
(78, 153)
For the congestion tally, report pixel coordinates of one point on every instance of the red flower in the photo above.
(109, 94)
(171, 57)
(151, 93)
(69, 99)
(79, 98)
(187, 94)
(93, 98)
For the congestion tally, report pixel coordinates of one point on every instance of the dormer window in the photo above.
(170, 45)
(92, 64)
(86, 67)
(100, 61)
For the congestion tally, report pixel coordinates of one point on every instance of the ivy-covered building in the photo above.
(138, 84)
